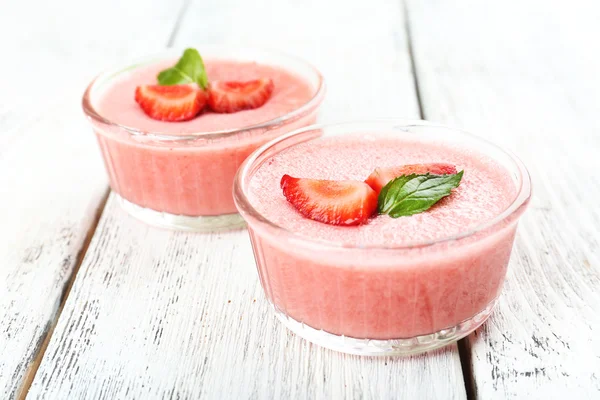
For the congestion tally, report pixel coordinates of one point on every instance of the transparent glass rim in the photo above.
(92, 113)
(513, 211)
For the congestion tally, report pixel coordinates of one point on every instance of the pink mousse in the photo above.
(378, 293)
(190, 177)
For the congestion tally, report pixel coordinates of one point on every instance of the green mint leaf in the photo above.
(412, 194)
(189, 69)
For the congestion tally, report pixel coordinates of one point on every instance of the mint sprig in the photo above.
(412, 194)
(189, 69)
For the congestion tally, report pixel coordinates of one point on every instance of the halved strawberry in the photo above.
(331, 202)
(232, 96)
(171, 103)
(381, 176)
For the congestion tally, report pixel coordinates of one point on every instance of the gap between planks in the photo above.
(178, 21)
(33, 367)
(464, 352)
(35, 364)
(411, 55)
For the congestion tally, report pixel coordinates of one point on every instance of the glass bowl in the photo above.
(383, 300)
(183, 181)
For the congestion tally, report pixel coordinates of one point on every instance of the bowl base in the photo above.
(209, 223)
(390, 347)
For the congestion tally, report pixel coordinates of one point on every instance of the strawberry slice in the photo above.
(381, 176)
(331, 202)
(232, 96)
(171, 103)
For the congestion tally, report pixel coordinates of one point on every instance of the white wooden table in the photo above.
(94, 304)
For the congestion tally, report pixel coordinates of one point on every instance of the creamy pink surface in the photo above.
(485, 190)
(118, 104)
(378, 293)
(191, 178)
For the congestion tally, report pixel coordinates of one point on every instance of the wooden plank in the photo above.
(51, 177)
(521, 74)
(183, 316)
(157, 314)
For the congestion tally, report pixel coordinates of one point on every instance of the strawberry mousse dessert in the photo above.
(173, 129)
(382, 238)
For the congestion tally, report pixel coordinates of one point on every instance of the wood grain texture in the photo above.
(157, 314)
(51, 177)
(174, 315)
(360, 47)
(521, 73)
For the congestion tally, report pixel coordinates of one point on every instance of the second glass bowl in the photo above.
(184, 181)
(383, 300)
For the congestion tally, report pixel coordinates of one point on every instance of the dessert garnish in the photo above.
(331, 202)
(189, 69)
(183, 91)
(171, 103)
(415, 190)
(412, 194)
(232, 96)
(382, 176)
